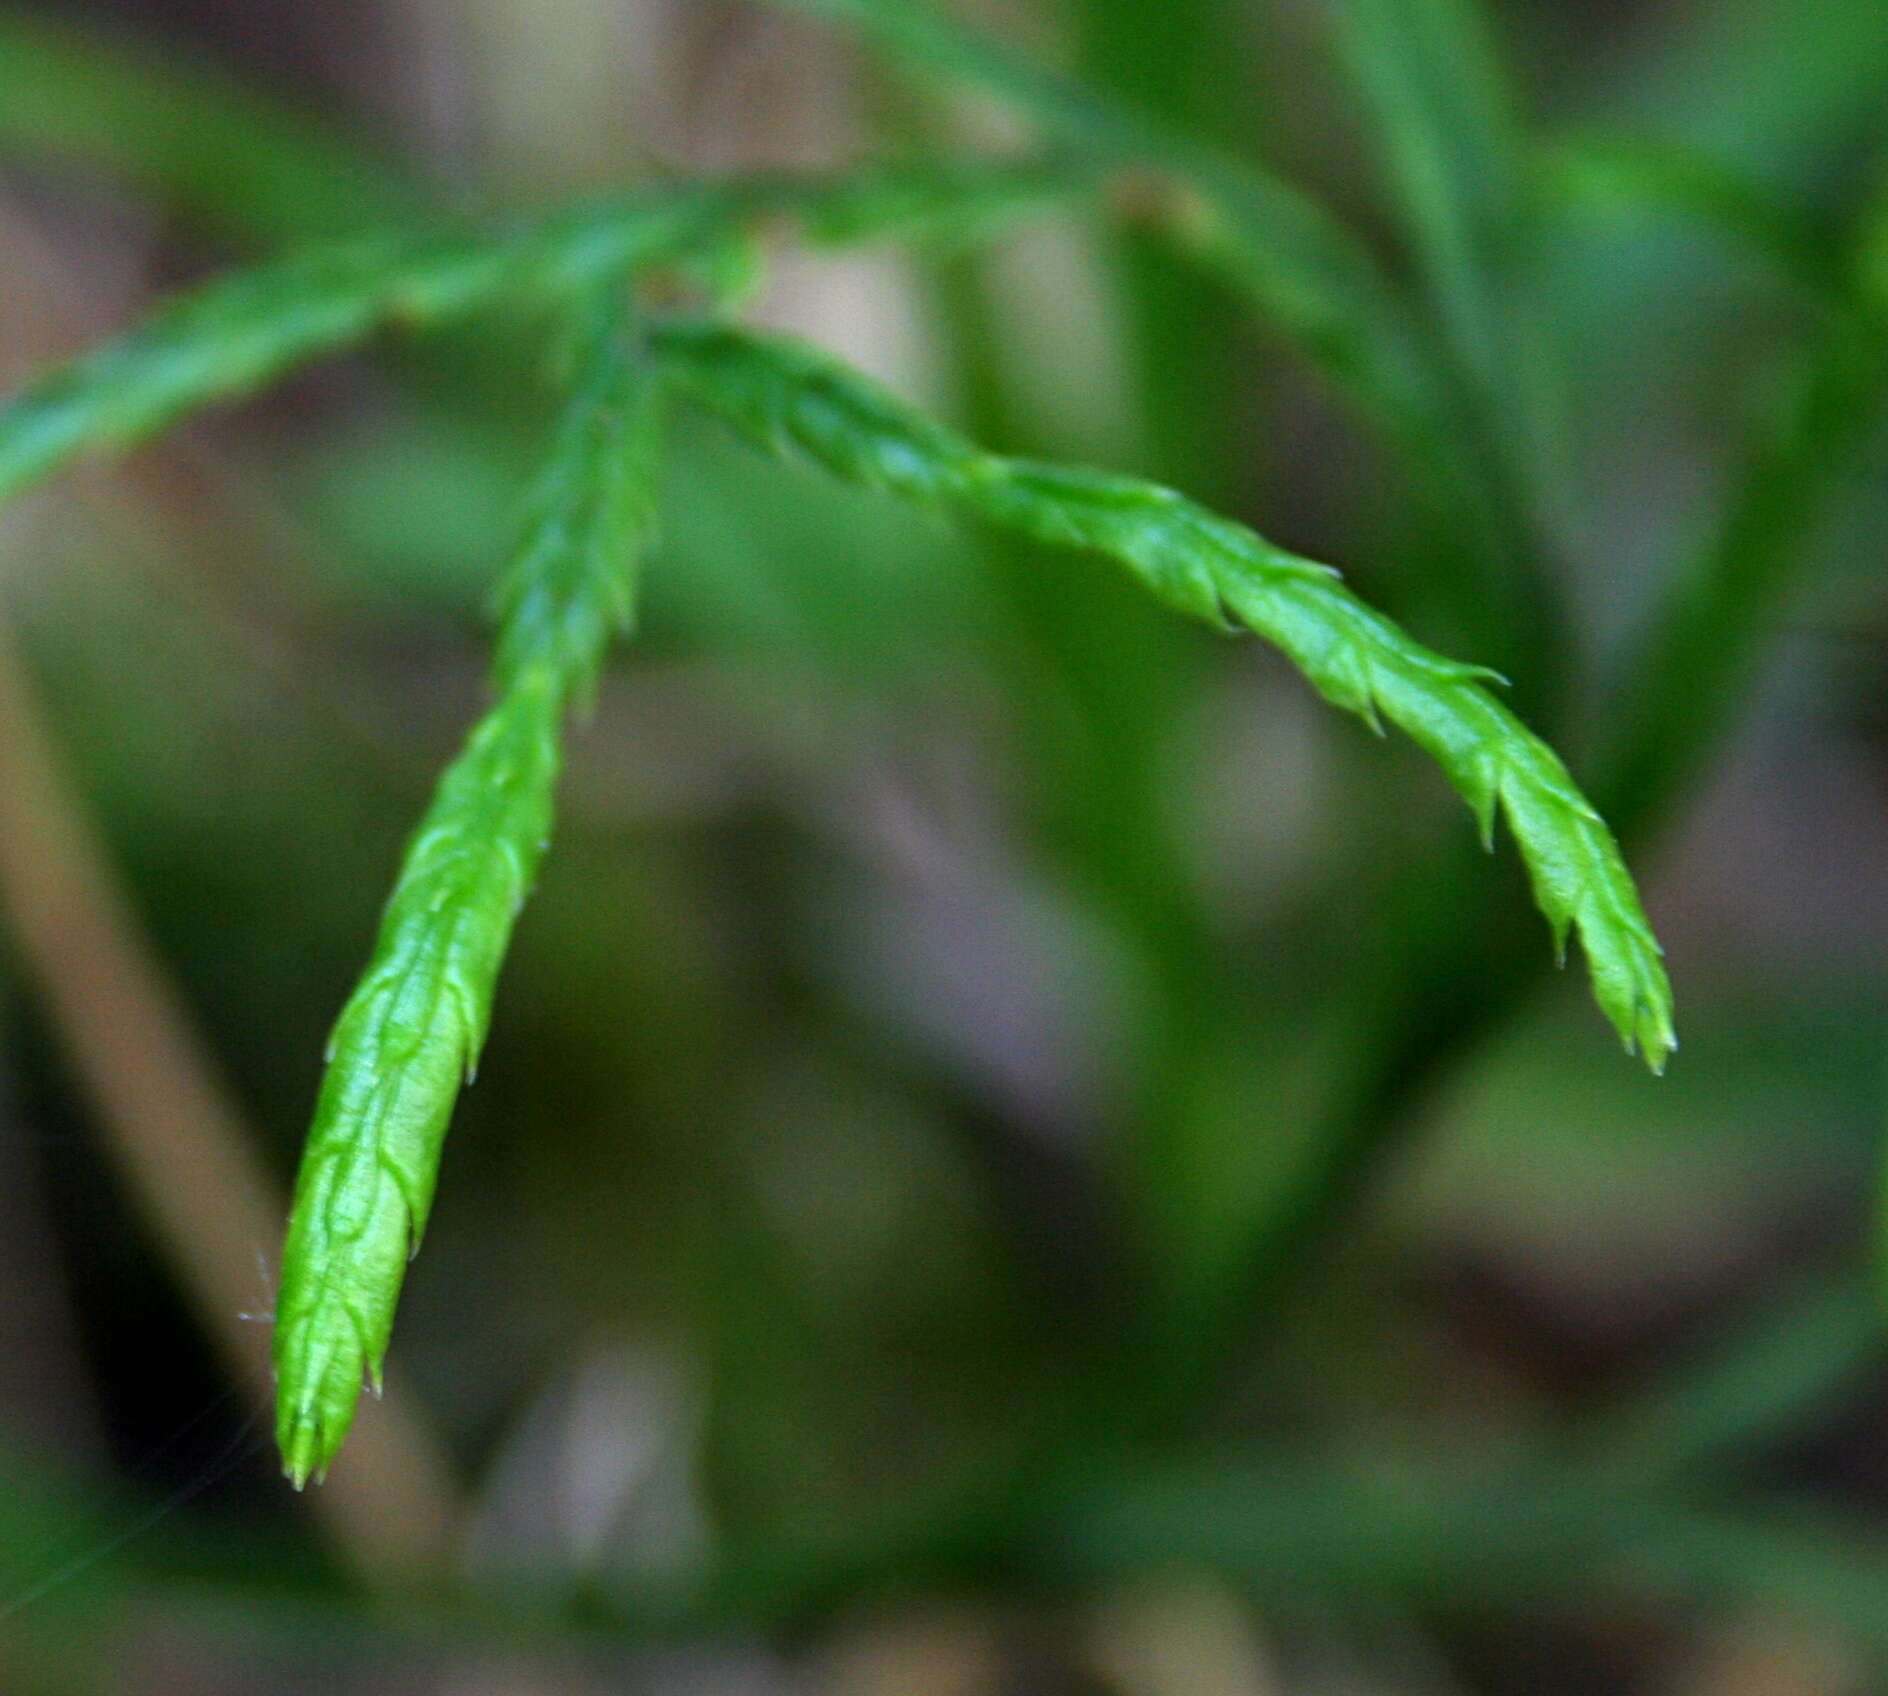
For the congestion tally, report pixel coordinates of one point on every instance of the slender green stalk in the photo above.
(415, 1025)
(231, 337)
(783, 393)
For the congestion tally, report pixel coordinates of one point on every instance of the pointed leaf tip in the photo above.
(302, 1458)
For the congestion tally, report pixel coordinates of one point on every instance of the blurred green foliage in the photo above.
(997, 1103)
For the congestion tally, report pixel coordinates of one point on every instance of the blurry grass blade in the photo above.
(413, 1029)
(1457, 1542)
(784, 394)
(1775, 87)
(243, 161)
(1303, 268)
(1452, 141)
(1773, 1373)
(229, 338)
(1640, 178)
(1177, 319)
(1700, 650)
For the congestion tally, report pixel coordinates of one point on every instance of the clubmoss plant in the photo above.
(412, 1031)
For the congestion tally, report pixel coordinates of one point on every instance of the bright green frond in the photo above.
(785, 394)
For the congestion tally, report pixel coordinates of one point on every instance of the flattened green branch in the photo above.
(415, 1025)
(783, 393)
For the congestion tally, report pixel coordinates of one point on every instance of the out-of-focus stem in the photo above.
(169, 1122)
